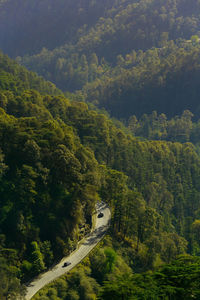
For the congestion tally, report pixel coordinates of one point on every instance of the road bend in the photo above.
(75, 257)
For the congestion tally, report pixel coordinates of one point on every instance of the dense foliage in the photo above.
(132, 60)
(48, 184)
(174, 281)
(15, 78)
(158, 79)
(158, 127)
(58, 158)
(178, 280)
(107, 28)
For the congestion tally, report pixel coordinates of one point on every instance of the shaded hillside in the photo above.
(45, 24)
(107, 28)
(126, 26)
(139, 57)
(165, 80)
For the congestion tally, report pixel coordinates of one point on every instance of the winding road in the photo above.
(75, 257)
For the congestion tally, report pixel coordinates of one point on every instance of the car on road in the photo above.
(100, 215)
(67, 263)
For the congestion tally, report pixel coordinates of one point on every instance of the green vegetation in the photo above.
(58, 158)
(108, 28)
(158, 127)
(140, 82)
(137, 61)
(160, 79)
(129, 57)
(139, 56)
(16, 79)
(86, 280)
(177, 280)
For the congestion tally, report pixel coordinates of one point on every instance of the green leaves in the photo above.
(9, 285)
(179, 280)
(37, 259)
(67, 167)
(110, 259)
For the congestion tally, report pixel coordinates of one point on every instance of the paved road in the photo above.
(75, 257)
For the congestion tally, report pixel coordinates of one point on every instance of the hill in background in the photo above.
(130, 57)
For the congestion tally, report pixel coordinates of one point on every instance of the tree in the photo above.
(110, 259)
(47, 253)
(10, 286)
(37, 258)
(194, 39)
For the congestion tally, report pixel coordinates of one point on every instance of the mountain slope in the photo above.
(58, 158)
(164, 79)
(128, 60)
(16, 78)
(45, 24)
(105, 27)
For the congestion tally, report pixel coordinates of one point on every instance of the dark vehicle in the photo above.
(67, 263)
(100, 215)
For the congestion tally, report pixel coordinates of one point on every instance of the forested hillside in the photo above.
(177, 280)
(137, 61)
(105, 27)
(58, 158)
(45, 24)
(15, 78)
(159, 79)
(128, 58)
